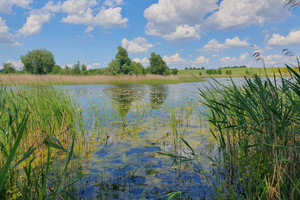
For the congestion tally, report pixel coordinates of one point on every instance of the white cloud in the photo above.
(235, 61)
(83, 12)
(17, 64)
(292, 38)
(201, 60)
(228, 60)
(145, 61)
(37, 18)
(176, 20)
(5, 36)
(184, 32)
(113, 3)
(173, 59)
(237, 13)
(215, 46)
(93, 66)
(6, 5)
(275, 60)
(138, 45)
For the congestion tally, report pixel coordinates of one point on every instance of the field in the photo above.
(95, 79)
(236, 72)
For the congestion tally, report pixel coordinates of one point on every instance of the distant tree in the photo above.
(200, 73)
(174, 71)
(202, 68)
(84, 69)
(228, 72)
(136, 68)
(114, 67)
(38, 61)
(76, 68)
(190, 68)
(158, 65)
(219, 71)
(8, 68)
(125, 61)
(186, 68)
(198, 68)
(56, 69)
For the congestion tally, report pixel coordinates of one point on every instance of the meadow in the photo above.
(236, 72)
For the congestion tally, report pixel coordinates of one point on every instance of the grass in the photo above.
(257, 129)
(95, 79)
(236, 72)
(36, 123)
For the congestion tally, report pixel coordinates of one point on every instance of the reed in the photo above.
(36, 123)
(26, 79)
(257, 129)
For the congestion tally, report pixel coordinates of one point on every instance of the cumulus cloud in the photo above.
(173, 59)
(6, 5)
(201, 60)
(145, 61)
(17, 64)
(215, 46)
(176, 20)
(113, 3)
(5, 36)
(236, 13)
(83, 12)
(275, 60)
(235, 61)
(138, 45)
(93, 66)
(36, 19)
(292, 38)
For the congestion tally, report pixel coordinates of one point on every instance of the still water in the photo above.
(126, 126)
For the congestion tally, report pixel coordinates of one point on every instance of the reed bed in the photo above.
(94, 79)
(257, 130)
(37, 124)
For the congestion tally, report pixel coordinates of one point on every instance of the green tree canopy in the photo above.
(158, 65)
(38, 61)
(8, 68)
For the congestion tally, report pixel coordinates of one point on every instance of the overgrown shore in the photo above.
(95, 79)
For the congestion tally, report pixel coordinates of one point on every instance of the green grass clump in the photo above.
(257, 129)
(36, 123)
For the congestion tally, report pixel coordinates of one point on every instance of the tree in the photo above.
(114, 67)
(158, 65)
(38, 61)
(122, 57)
(136, 68)
(174, 71)
(76, 68)
(56, 69)
(84, 69)
(228, 72)
(8, 68)
(219, 71)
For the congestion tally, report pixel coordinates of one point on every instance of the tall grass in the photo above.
(37, 124)
(257, 129)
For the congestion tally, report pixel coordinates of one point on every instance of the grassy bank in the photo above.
(37, 124)
(236, 72)
(95, 79)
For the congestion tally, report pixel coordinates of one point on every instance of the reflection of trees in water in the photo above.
(123, 96)
(158, 94)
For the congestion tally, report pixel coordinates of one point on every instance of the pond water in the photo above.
(126, 126)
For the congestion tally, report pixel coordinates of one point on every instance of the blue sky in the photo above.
(186, 33)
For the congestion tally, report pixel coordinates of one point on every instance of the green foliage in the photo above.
(174, 71)
(228, 72)
(123, 64)
(219, 71)
(56, 69)
(8, 68)
(212, 71)
(257, 129)
(38, 61)
(158, 65)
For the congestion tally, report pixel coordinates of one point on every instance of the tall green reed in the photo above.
(37, 124)
(257, 129)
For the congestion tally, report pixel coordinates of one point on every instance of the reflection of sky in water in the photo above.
(137, 123)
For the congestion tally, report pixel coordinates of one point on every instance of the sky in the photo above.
(186, 33)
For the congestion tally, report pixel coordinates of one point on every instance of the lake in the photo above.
(132, 146)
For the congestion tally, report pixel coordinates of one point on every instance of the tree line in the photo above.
(41, 61)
